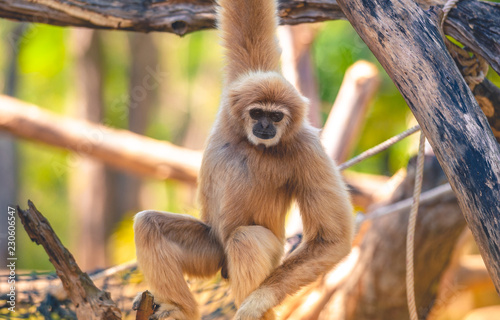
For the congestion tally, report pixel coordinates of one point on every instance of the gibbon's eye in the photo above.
(276, 116)
(256, 114)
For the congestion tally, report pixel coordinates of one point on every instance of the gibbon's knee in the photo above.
(143, 223)
(252, 253)
(182, 238)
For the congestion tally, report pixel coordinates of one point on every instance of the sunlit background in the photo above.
(180, 110)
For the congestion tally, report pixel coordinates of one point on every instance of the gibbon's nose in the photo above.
(265, 123)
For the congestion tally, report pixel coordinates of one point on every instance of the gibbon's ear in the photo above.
(235, 100)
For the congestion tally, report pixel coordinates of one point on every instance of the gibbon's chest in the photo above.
(266, 171)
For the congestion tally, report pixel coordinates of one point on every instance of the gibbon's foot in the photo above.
(167, 311)
(137, 301)
(248, 312)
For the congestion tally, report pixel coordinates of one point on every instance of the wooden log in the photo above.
(90, 302)
(179, 17)
(409, 46)
(344, 123)
(119, 148)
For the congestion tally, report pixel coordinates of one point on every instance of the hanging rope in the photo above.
(410, 236)
(472, 66)
(378, 148)
(450, 4)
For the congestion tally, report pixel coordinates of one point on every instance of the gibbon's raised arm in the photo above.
(248, 30)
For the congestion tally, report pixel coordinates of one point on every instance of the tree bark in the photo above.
(409, 46)
(179, 17)
(481, 34)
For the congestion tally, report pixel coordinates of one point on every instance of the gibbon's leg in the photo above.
(252, 253)
(169, 246)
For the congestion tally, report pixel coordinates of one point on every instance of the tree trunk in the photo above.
(143, 97)
(8, 154)
(91, 189)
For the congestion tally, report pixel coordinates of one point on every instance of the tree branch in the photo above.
(408, 44)
(90, 302)
(119, 148)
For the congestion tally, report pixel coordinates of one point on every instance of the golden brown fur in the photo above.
(247, 185)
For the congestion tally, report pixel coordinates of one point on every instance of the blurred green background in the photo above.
(183, 113)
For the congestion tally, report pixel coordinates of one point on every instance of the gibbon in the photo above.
(261, 155)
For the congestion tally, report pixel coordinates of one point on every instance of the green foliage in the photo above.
(336, 48)
(115, 51)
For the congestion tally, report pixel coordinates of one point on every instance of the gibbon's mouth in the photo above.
(264, 135)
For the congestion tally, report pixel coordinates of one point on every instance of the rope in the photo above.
(378, 148)
(473, 68)
(450, 4)
(410, 236)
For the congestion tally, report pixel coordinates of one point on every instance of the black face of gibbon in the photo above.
(264, 128)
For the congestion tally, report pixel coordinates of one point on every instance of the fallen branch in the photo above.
(90, 302)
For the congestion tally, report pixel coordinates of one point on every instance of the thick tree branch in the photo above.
(179, 17)
(119, 148)
(409, 46)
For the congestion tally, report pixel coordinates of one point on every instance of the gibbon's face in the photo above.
(265, 108)
(266, 124)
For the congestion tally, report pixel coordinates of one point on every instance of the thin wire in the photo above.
(410, 236)
(378, 148)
